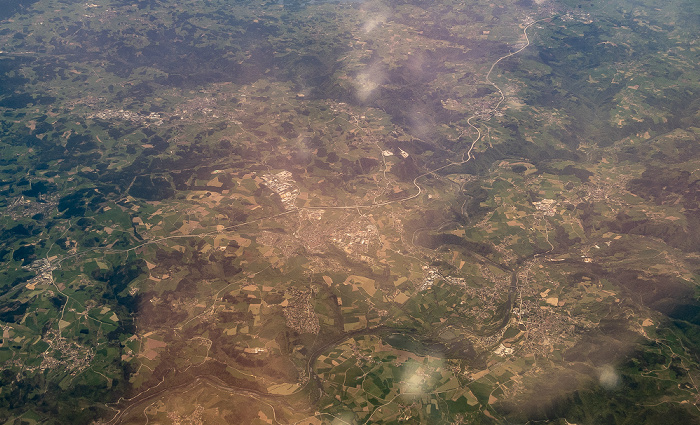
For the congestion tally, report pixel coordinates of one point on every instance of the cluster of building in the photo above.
(456, 280)
(44, 273)
(283, 185)
(595, 193)
(546, 206)
(134, 117)
(432, 276)
(299, 312)
(204, 105)
(357, 238)
(25, 207)
(74, 357)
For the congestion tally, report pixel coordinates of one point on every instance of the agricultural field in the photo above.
(349, 212)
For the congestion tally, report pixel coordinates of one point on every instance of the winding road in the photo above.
(154, 392)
